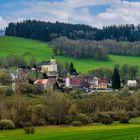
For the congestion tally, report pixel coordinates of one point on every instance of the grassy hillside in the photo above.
(97, 132)
(43, 51)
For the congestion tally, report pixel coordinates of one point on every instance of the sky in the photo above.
(97, 13)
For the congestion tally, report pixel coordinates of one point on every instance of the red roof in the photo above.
(41, 81)
(102, 81)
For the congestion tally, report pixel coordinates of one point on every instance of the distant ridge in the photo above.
(2, 32)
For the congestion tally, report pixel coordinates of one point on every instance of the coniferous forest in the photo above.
(46, 31)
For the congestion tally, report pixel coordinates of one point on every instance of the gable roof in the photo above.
(45, 81)
(41, 81)
(44, 63)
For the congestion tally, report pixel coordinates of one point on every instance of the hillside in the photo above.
(43, 51)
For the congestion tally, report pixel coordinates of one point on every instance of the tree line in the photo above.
(126, 72)
(99, 50)
(79, 48)
(55, 108)
(47, 31)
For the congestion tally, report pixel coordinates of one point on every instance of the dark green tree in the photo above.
(72, 70)
(116, 82)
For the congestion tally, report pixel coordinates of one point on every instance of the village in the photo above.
(46, 76)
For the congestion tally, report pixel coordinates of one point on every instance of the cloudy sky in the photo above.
(92, 12)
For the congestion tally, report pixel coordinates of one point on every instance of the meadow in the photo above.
(43, 51)
(115, 131)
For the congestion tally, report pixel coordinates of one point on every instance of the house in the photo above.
(131, 83)
(67, 82)
(48, 66)
(93, 83)
(102, 84)
(46, 83)
(74, 82)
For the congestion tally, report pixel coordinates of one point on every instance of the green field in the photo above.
(115, 131)
(43, 51)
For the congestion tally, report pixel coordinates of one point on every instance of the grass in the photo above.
(95, 132)
(135, 120)
(43, 51)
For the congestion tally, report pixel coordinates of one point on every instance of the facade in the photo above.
(93, 83)
(131, 83)
(102, 84)
(48, 66)
(74, 82)
(67, 82)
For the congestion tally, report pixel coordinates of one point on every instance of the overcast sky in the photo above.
(92, 12)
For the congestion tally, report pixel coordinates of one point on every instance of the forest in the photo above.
(47, 31)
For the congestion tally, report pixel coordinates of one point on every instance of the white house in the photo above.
(131, 83)
(67, 82)
(94, 82)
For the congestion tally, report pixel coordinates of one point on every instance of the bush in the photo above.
(124, 120)
(103, 118)
(76, 123)
(132, 114)
(116, 116)
(29, 130)
(32, 130)
(84, 119)
(8, 92)
(6, 124)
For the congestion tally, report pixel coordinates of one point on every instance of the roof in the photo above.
(44, 63)
(102, 81)
(95, 78)
(45, 81)
(41, 81)
(131, 81)
(76, 80)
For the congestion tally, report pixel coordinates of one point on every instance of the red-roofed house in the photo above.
(46, 83)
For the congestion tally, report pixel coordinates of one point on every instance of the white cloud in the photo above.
(77, 11)
(124, 13)
(3, 22)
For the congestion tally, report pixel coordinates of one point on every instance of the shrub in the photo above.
(132, 114)
(76, 123)
(116, 116)
(124, 120)
(103, 118)
(8, 92)
(6, 124)
(32, 130)
(29, 130)
(84, 119)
